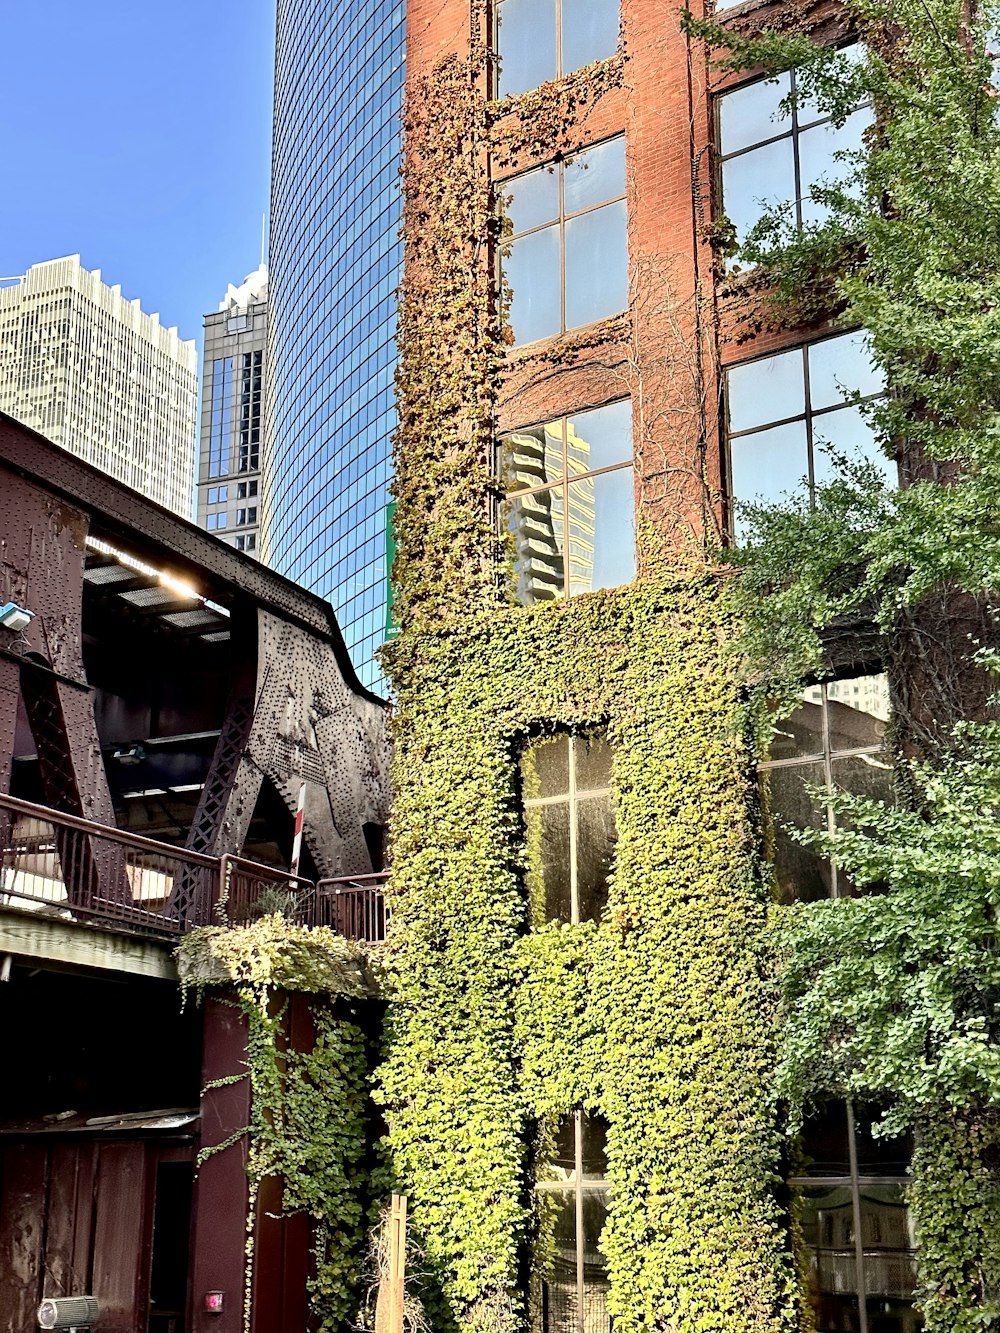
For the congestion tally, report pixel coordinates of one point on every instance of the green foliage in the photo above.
(660, 1017)
(308, 1109)
(273, 954)
(895, 996)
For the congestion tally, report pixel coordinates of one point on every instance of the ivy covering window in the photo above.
(574, 1284)
(570, 826)
(835, 738)
(771, 158)
(856, 1227)
(567, 262)
(538, 40)
(783, 409)
(569, 503)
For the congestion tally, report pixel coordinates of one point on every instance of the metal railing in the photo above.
(354, 906)
(79, 870)
(250, 890)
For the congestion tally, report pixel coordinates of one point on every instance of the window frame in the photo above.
(565, 482)
(793, 132)
(856, 1181)
(578, 1185)
(559, 73)
(807, 416)
(572, 798)
(827, 755)
(558, 168)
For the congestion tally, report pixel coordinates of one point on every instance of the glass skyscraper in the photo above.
(335, 262)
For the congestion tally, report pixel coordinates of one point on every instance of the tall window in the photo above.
(570, 824)
(251, 383)
(783, 409)
(574, 1286)
(538, 40)
(567, 263)
(569, 502)
(771, 158)
(222, 392)
(833, 739)
(855, 1224)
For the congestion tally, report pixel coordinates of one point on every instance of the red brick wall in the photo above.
(667, 351)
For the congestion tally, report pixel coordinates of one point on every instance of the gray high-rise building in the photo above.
(234, 373)
(335, 261)
(94, 373)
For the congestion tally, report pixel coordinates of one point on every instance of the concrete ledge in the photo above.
(49, 939)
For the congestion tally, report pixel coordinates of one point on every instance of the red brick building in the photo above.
(640, 386)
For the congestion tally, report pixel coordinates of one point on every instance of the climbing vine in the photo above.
(308, 1107)
(893, 997)
(661, 1016)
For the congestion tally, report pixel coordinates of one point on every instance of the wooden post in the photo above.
(389, 1309)
(397, 1262)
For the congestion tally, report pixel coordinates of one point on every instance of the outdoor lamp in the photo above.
(14, 617)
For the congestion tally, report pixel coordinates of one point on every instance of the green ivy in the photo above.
(309, 1109)
(893, 998)
(660, 1017)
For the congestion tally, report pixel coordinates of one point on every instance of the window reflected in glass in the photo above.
(786, 413)
(857, 1230)
(834, 739)
(569, 503)
(538, 40)
(771, 158)
(567, 259)
(570, 826)
(573, 1288)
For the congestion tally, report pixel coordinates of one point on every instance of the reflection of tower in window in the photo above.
(536, 519)
(581, 516)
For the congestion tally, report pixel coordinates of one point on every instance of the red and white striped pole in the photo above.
(299, 821)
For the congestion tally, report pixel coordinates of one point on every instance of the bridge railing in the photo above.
(80, 870)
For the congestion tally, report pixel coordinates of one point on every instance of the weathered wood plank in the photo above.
(22, 1235)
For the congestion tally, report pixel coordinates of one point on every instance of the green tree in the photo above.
(895, 995)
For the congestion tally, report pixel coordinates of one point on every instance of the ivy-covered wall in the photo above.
(660, 1017)
(306, 995)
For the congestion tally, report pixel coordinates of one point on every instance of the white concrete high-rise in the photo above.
(88, 369)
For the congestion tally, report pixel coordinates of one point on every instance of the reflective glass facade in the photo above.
(335, 264)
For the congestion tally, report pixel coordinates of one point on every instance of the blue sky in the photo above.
(136, 133)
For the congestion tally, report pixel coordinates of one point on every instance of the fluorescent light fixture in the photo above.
(129, 754)
(14, 617)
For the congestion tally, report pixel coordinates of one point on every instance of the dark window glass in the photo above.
(785, 411)
(221, 416)
(556, 856)
(834, 738)
(538, 40)
(574, 1285)
(570, 503)
(567, 259)
(771, 158)
(855, 1224)
(570, 823)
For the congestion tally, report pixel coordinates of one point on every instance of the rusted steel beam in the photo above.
(121, 516)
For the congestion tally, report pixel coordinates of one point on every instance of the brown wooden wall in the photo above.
(76, 1219)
